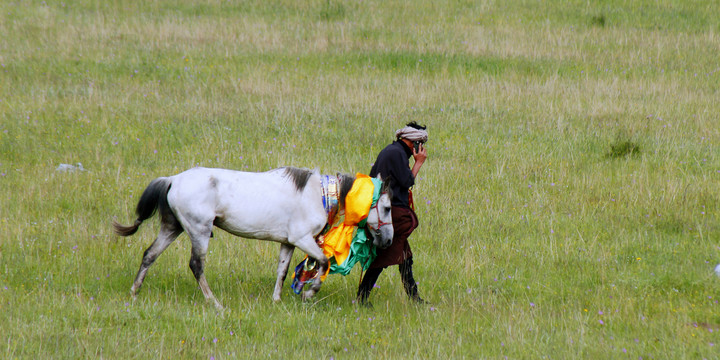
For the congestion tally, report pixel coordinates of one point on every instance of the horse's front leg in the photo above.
(317, 282)
(286, 252)
(308, 245)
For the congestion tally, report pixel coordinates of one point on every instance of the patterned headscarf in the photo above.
(412, 134)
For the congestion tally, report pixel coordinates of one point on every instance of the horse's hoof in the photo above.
(277, 294)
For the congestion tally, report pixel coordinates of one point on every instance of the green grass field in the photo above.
(568, 207)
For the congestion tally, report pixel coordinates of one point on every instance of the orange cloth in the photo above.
(357, 206)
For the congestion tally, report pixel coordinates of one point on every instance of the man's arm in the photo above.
(420, 156)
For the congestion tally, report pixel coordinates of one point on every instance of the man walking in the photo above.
(393, 165)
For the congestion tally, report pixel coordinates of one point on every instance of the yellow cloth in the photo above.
(357, 206)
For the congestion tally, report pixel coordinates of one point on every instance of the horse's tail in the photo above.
(154, 197)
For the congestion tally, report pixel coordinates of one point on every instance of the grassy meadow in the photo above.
(568, 208)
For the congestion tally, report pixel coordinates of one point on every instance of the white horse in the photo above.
(284, 205)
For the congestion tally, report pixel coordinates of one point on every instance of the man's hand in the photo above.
(420, 156)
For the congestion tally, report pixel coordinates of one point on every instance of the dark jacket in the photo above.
(393, 164)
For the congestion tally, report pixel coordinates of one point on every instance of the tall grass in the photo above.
(568, 208)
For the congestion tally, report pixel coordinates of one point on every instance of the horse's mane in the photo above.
(298, 176)
(346, 183)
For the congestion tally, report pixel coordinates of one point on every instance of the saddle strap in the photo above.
(330, 197)
(330, 194)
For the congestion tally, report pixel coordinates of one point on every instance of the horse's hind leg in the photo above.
(286, 251)
(200, 240)
(168, 233)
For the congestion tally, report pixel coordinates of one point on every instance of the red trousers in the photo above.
(404, 222)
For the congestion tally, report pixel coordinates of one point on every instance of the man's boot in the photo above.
(409, 283)
(367, 284)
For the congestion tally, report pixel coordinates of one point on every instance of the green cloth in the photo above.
(361, 248)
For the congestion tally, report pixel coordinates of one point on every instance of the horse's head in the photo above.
(379, 220)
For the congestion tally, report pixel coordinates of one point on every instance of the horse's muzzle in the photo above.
(383, 237)
(386, 244)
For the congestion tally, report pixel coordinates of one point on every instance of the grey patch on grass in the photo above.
(70, 168)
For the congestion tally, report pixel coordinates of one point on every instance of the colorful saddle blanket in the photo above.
(343, 240)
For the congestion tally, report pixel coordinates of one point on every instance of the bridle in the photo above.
(380, 222)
